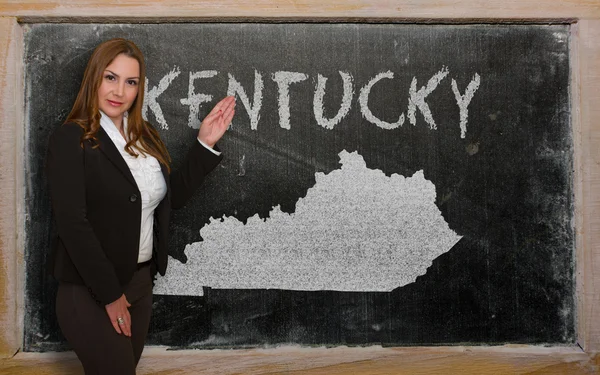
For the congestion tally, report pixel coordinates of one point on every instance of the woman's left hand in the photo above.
(216, 123)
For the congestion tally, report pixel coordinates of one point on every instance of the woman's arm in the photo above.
(199, 160)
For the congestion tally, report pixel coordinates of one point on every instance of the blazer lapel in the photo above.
(110, 150)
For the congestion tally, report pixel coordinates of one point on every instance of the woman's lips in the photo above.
(114, 104)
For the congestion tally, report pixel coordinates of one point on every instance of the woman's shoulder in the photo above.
(68, 128)
(67, 132)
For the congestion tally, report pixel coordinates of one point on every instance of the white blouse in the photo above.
(149, 179)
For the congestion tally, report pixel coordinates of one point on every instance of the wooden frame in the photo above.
(583, 14)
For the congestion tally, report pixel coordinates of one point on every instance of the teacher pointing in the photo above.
(112, 190)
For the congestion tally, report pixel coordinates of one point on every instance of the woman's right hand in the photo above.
(216, 123)
(118, 309)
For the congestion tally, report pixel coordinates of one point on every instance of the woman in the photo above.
(112, 191)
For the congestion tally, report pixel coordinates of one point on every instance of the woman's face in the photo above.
(119, 87)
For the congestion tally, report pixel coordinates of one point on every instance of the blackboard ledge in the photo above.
(357, 360)
(303, 19)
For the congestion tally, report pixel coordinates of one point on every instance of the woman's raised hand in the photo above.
(216, 123)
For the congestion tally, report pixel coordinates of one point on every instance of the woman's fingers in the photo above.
(227, 117)
(229, 109)
(229, 104)
(116, 326)
(211, 117)
(222, 110)
(126, 326)
(222, 106)
(119, 315)
(216, 123)
(225, 103)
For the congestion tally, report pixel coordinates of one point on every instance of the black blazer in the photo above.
(97, 208)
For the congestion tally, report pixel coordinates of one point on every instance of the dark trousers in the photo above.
(86, 326)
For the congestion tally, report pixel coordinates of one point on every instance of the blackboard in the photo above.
(392, 184)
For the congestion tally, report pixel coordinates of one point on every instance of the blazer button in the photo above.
(132, 198)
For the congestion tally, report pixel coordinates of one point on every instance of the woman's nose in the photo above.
(120, 89)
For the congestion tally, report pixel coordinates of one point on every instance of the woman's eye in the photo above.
(109, 77)
(132, 82)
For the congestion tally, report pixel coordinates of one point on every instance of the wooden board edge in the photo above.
(588, 253)
(11, 124)
(588, 260)
(32, 11)
(578, 179)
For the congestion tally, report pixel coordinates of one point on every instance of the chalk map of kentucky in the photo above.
(356, 230)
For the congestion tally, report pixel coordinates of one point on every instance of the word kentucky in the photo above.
(285, 81)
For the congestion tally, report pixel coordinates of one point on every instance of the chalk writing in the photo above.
(286, 81)
(195, 100)
(151, 96)
(235, 88)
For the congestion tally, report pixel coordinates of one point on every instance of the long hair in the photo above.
(142, 136)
